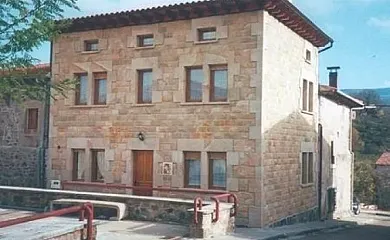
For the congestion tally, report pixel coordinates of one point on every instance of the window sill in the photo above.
(307, 112)
(33, 134)
(307, 185)
(90, 52)
(146, 47)
(203, 103)
(89, 106)
(205, 42)
(307, 61)
(143, 105)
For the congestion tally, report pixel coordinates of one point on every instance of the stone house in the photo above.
(382, 171)
(22, 130)
(204, 95)
(336, 158)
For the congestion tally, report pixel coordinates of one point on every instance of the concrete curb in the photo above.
(310, 231)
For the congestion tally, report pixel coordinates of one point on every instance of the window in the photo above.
(91, 45)
(307, 96)
(332, 158)
(308, 56)
(194, 84)
(81, 89)
(218, 83)
(98, 160)
(32, 119)
(192, 169)
(145, 40)
(207, 34)
(217, 170)
(100, 93)
(307, 168)
(145, 79)
(78, 163)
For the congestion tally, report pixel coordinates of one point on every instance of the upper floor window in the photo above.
(100, 91)
(308, 56)
(145, 40)
(207, 34)
(218, 84)
(307, 168)
(91, 45)
(192, 169)
(32, 120)
(81, 89)
(145, 86)
(194, 84)
(307, 96)
(217, 170)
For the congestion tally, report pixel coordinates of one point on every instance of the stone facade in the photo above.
(261, 127)
(19, 149)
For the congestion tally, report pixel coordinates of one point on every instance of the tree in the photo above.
(24, 26)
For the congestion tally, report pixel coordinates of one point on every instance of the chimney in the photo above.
(333, 76)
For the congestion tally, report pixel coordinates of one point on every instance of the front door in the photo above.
(143, 172)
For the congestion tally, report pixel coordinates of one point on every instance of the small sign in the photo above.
(167, 168)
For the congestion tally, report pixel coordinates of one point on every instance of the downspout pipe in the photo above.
(327, 48)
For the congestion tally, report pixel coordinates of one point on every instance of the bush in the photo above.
(364, 182)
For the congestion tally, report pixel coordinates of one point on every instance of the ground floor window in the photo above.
(98, 158)
(192, 169)
(78, 163)
(217, 170)
(307, 168)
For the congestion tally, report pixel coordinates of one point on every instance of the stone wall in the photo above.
(286, 130)
(19, 150)
(170, 125)
(166, 210)
(383, 187)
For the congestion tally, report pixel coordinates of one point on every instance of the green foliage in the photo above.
(24, 26)
(364, 182)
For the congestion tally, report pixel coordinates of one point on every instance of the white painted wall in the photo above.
(336, 123)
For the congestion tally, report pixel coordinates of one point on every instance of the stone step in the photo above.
(120, 208)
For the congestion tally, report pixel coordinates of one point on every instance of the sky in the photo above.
(360, 28)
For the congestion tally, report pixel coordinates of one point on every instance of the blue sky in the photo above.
(360, 28)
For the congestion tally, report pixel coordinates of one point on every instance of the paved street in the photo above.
(370, 227)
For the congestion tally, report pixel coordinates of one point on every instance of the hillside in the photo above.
(384, 93)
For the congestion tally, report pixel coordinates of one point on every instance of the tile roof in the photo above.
(282, 10)
(339, 97)
(384, 160)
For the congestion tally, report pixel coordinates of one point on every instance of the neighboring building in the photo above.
(21, 138)
(223, 94)
(335, 138)
(382, 170)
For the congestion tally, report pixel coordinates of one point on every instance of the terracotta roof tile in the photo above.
(384, 160)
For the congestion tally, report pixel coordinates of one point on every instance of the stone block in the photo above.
(147, 144)
(243, 171)
(190, 144)
(255, 132)
(222, 32)
(255, 219)
(232, 184)
(232, 158)
(219, 145)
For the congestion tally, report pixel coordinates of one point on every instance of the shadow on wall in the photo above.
(290, 151)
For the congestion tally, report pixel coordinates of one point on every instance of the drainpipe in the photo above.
(327, 48)
(320, 150)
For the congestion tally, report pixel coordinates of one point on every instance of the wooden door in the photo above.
(143, 172)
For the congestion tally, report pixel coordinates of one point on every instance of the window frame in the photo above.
(77, 90)
(95, 165)
(213, 69)
(308, 56)
(210, 163)
(187, 168)
(75, 165)
(307, 96)
(97, 77)
(202, 31)
(308, 159)
(89, 43)
(141, 40)
(188, 84)
(140, 93)
(32, 113)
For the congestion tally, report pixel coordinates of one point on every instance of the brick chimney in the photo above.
(333, 76)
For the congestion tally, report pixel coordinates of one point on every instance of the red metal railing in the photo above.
(124, 186)
(198, 203)
(82, 209)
